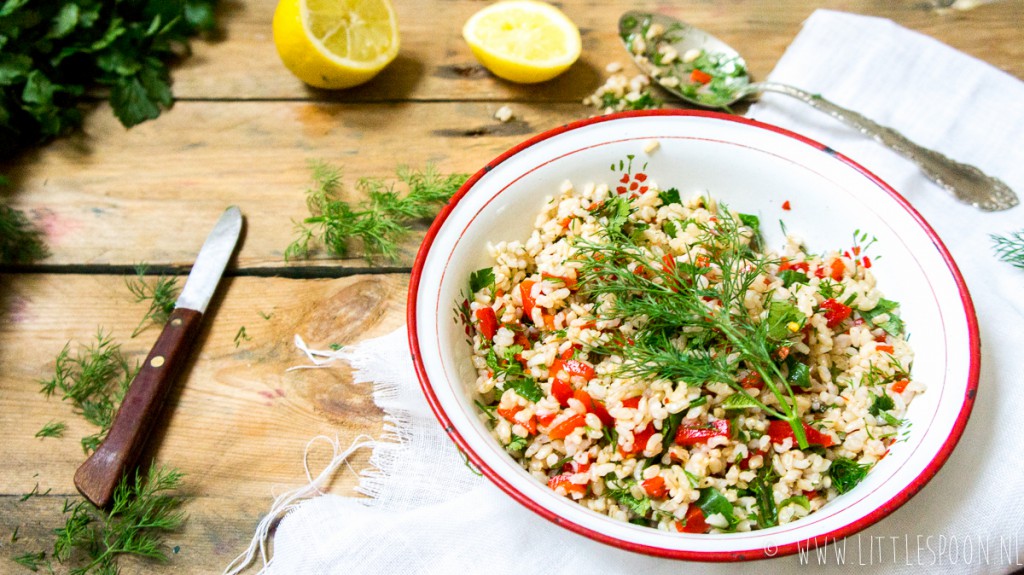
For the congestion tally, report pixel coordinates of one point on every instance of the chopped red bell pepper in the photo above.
(753, 380)
(838, 268)
(510, 414)
(640, 439)
(565, 482)
(563, 429)
(528, 300)
(487, 322)
(594, 406)
(798, 266)
(569, 282)
(867, 262)
(694, 521)
(632, 402)
(835, 312)
(901, 385)
(562, 391)
(655, 487)
(786, 206)
(700, 76)
(546, 420)
(884, 348)
(669, 262)
(695, 434)
(779, 431)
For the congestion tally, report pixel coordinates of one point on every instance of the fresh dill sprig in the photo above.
(52, 429)
(20, 241)
(687, 313)
(31, 561)
(94, 380)
(142, 511)
(35, 491)
(380, 222)
(1010, 248)
(161, 296)
(241, 336)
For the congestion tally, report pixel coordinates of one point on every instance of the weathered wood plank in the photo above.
(152, 193)
(236, 424)
(435, 63)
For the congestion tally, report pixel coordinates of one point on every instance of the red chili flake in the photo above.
(786, 206)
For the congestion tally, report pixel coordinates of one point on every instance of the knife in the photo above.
(97, 478)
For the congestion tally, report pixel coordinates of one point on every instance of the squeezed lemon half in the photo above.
(335, 44)
(523, 41)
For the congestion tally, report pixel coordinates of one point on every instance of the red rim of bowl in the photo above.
(788, 549)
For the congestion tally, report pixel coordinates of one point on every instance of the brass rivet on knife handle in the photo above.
(97, 478)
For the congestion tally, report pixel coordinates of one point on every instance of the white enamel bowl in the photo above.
(755, 168)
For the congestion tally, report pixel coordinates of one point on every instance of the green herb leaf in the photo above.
(847, 473)
(712, 501)
(671, 228)
(780, 315)
(670, 196)
(790, 277)
(740, 400)
(527, 388)
(881, 403)
(763, 489)
(516, 445)
(800, 500)
(622, 492)
(481, 279)
(799, 373)
(894, 325)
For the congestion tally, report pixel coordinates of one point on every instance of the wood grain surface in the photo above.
(242, 132)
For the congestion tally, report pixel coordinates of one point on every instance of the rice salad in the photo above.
(644, 355)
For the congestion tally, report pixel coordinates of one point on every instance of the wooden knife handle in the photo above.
(97, 478)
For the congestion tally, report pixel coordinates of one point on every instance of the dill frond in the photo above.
(378, 223)
(1010, 248)
(52, 429)
(161, 296)
(142, 511)
(686, 310)
(31, 561)
(94, 381)
(20, 241)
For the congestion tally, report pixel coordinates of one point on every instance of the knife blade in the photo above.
(97, 478)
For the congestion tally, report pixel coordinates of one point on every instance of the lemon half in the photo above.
(523, 40)
(335, 43)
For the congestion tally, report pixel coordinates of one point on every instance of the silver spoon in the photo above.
(669, 51)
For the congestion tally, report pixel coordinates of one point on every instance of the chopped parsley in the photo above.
(481, 279)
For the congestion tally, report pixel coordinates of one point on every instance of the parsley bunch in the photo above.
(52, 54)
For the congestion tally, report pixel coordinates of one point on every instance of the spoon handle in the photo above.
(967, 183)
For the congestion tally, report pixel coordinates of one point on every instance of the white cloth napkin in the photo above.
(428, 513)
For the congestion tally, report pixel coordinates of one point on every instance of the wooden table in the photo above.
(242, 132)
